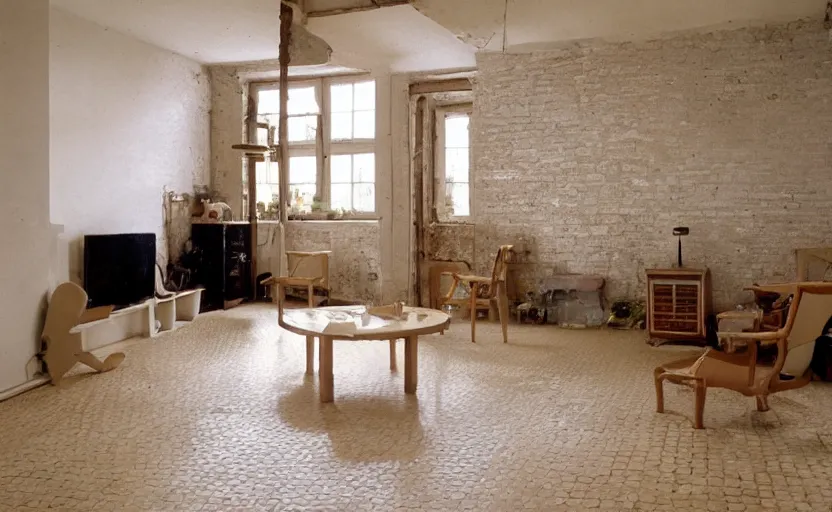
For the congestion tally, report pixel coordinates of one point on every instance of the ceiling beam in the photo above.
(457, 84)
(346, 10)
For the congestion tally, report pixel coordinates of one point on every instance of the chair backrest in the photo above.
(66, 306)
(312, 264)
(810, 311)
(500, 269)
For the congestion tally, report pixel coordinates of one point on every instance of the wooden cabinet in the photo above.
(223, 263)
(678, 302)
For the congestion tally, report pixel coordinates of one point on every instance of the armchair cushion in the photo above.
(798, 359)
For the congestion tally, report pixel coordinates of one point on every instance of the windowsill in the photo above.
(324, 221)
(455, 222)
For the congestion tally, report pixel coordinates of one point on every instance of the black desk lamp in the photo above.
(679, 233)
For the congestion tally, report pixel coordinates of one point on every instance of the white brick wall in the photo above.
(593, 154)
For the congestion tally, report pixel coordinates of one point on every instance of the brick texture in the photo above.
(592, 154)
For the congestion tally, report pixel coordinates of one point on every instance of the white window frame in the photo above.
(323, 147)
(439, 164)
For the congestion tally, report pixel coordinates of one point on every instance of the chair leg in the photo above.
(699, 411)
(473, 302)
(502, 307)
(657, 377)
(392, 355)
(762, 403)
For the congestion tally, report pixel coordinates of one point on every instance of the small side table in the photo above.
(737, 321)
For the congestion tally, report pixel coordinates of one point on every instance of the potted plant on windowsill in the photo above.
(318, 209)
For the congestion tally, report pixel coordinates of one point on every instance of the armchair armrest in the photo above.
(473, 279)
(753, 336)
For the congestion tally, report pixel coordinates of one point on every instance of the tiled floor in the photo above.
(219, 416)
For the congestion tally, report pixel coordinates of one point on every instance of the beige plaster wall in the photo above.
(128, 121)
(24, 180)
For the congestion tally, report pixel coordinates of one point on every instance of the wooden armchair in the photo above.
(484, 291)
(810, 309)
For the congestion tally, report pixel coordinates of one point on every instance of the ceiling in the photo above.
(224, 31)
(441, 34)
(399, 38)
(523, 25)
(208, 31)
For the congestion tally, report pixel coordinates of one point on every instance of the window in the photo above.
(331, 146)
(453, 164)
(353, 164)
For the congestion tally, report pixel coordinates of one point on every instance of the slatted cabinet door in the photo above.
(678, 302)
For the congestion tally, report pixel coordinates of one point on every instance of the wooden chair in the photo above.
(310, 270)
(62, 333)
(810, 309)
(484, 291)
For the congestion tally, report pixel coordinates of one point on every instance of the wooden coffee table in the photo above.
(354, 323)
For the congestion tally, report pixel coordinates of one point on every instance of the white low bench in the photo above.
(181, 306)
(140, 319)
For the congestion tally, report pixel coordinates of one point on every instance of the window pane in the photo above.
(302, 100)
(341, 196)
(364, 167)
(341, 98)
(268, 102)
(365, 95)
(456, 132)
(340, 168)
(456, 165)
(365, 124)
(263, 136)
(364, 197)
(267, 194)
(342, 126)
(266, 174)
(302, 129)
(273, 120)
(457, 197)
(260, 172)
(274, 173)
(303, 169)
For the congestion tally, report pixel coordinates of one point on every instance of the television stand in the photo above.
(140, 319)
(180, 306)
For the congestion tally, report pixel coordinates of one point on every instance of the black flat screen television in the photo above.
(119, 270)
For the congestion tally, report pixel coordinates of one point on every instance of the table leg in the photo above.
(310, 355)
(473, 304)
(326, 380)
(392, 355)
(411, 364)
